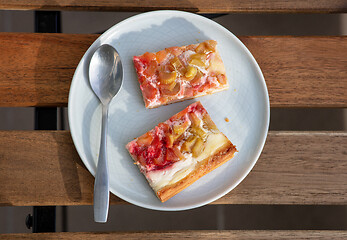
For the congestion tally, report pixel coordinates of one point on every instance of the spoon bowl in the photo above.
(105, 77)
(105, 73)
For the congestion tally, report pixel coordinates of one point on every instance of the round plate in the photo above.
(245, 104)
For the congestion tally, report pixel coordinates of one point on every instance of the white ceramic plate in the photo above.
(245, 104)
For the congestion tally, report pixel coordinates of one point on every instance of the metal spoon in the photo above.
(105, 76)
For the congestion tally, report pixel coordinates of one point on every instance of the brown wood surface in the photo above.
(203, 6)
(197, 234)
(36, 69)
(302, 71)
(43, 168)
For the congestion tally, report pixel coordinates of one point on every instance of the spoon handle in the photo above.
(101, 184)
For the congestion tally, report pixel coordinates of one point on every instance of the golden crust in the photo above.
(204, 167)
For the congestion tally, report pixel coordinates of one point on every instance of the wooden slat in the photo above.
(203, 6)
(36, 69)
(43, 168)
(198, 234)
(302, 71)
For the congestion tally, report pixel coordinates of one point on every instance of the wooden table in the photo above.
(295, 168)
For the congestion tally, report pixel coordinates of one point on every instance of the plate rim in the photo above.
(263, 134)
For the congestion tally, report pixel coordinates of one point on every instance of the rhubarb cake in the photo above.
(179, 73)
(180, 150)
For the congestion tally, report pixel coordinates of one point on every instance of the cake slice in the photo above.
(180, 150)
(179, 73)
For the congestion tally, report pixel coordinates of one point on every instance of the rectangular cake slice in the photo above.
(179, 73)
(180, 150)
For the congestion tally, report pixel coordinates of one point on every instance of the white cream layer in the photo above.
(161, 178)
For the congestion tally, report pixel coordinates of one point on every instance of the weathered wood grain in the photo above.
(196, 234)
(36, 69)
(43, 168)
(302, 71)
(202, 6)
(297, 168)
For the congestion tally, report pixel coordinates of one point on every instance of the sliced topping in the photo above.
(178, 65)
(198, 147)
(157, 149)
(177, 152)
(145, 140)
(207, 46)
(170, 139)
(167, 77)
(171, 155)
(199, 132)
(160, 161)
(196, 121)
(211, 45)
(197, 126)
(197, 79)
(188, 144)
(169, 68)
(151, 151)
(198, 60)
(180, 128)
(201, 48)
(162, 129)
(191, 72)
(151, 69)
(209, 124)
(149, 91)
(148, 57)
(176, 62)
(199, 56)
(176, 51)
(172, 86)
(161, 56)
(171, 90)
